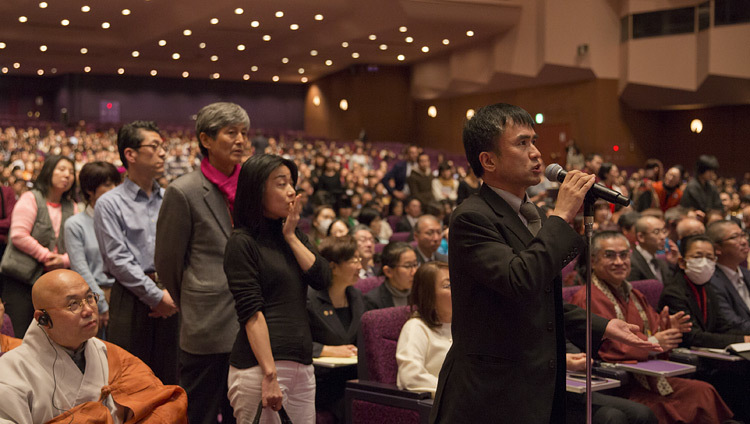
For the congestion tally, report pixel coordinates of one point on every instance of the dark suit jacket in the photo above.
(639, 269)
(397, 175)
(403, 225)
(420, 186)
(438, 256)
(378, 298)
(713, 332)
(507, 362)
(325, 326)
(701, 197)
(731, 307)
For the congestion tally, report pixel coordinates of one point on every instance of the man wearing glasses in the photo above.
(62, 371)
(731, 280)
(651, 235)
(142, 312)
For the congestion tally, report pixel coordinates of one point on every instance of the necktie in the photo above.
(530, 212)
(656, 269)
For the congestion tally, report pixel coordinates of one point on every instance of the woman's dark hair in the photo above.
(44, 179)
(338, 250)
(395, 202)
(688, 241)
(422, 296)
(94, 174)
(328, 233)
(367, 215)
(251, 186)
(444, 166)
(604, 170)
(392, 253)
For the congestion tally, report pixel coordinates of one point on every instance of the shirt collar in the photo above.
(89, 211)
(133, 188)
(732, 274)
(514, 201)
(647, 256)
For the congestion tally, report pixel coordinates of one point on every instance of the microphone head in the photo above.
(552, 171)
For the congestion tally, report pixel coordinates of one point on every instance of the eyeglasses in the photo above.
(739, 237)
(156, 147)
(412, 265)
(658, 231)
(355, 260)
(74, 306)
(709, 257)
(365, 240)
(611, 255)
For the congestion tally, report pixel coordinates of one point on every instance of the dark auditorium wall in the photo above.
(379, 102)
(168, 101)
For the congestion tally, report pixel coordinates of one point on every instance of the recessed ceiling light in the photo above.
(316, 100)
(85, 9)
(2, 45)
(343, 104)
(329, 62)
(135, 53)
(301, 70)
(318, 17)
(187, 33)
(214, 58)
(425, 49)
(254, 68)
(432, 111)
(469, 33)
(5, 69)
(53, 70)
(185, 74)
(43, 5)
(162, 43)
(84, 50)
(284, 60)
(401, 57)
(87, 69)
(409, 40)
(125, 12)
(402, 29)
(202, 45)
(383, 47)
(279, 14)
(240, 47)
(275, 78)
(215, 75)
(446, 41)
(344, 44)
(373, 37)
(294, 27)
(355, 55)
(238, 11)
(105, 25)
(16, 65)
(22, 19)
(153, 72)
(65, 22)
(175, 56)
(303, 79)
(266, 37)
(313, 52)
(214, 21)
(121, 71)
(255, 24)
(40, 72)
(43, 48)
(246, 77)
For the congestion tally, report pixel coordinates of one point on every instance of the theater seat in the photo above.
(392, 220)
(378, 400)
(366, 284)
(401, 236)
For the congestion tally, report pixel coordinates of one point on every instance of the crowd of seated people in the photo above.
(366, 214)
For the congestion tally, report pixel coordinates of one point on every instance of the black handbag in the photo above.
(282, 414)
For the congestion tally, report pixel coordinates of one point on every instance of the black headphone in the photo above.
(45, 319)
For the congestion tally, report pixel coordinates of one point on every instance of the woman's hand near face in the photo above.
(292, 218)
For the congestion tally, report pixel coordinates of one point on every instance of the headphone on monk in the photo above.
(45, 320)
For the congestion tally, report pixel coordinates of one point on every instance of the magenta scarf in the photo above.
(227, 185)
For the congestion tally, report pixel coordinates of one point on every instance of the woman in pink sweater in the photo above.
(52, 189)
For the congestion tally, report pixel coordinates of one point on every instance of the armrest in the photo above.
(387, 389)
(614, 373)
(684, 358)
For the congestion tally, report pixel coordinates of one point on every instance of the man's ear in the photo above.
(131, 154)
(640, 237)
(204, 139)
(488, 161)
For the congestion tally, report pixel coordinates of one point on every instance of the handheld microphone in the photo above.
(555, 172)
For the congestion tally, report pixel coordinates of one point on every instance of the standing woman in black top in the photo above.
(269, 266)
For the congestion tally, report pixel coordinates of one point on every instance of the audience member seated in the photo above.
(334, 321)
(672, 399)
(689, 227)
(371, 218)
(651, 235)
(366, 250)
(322, 219)
(730, 280)
(394, 180)
(426, 337)
(428, 233)
(701, 193)
(420, 180)
(7, 341)
(96, 178)
(668, 192)
(468, 186)
(445, 187)
(626, 222)
(413, 210)
(338, 228)
(62, 371)
(399, 265)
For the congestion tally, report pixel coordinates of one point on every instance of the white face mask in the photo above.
(699, 270)
(323, 225)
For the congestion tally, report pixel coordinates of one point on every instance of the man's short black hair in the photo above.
(706, 163)
(130, 136)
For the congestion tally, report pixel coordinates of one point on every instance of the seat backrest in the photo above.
(651, 289)
(379, 247)
(304, 225)
(380, 330)
(392, 221)
(400, 236)
(569, 291)
(7, 327)
(366, 284)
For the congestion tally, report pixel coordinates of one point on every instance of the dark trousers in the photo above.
(204, 378)
(608, 410)
(153, 340)
(17, 297)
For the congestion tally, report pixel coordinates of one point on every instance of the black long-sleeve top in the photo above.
(263, 275)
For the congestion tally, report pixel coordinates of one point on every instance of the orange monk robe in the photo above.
(7, 343)
(693, 401)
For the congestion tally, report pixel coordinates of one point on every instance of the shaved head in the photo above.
(51, 288)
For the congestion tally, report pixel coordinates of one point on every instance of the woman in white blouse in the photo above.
(426, 337)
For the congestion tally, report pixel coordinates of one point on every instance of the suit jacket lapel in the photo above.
(642, 265)
(333, 322)
(506, 213)
(217, 205)
(733, 290)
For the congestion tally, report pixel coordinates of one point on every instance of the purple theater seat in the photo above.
(380, 329)
(400, 236)
(367, 412)
(651, 289)
(324, 417)
(392, 221)
(568, 292)
(7, 327)
(304, 225)
(379, 247)
(366, 284)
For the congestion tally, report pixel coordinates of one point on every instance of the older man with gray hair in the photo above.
(192, 230)
(428, 233)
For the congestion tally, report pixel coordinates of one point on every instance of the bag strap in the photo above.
(282, 414)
